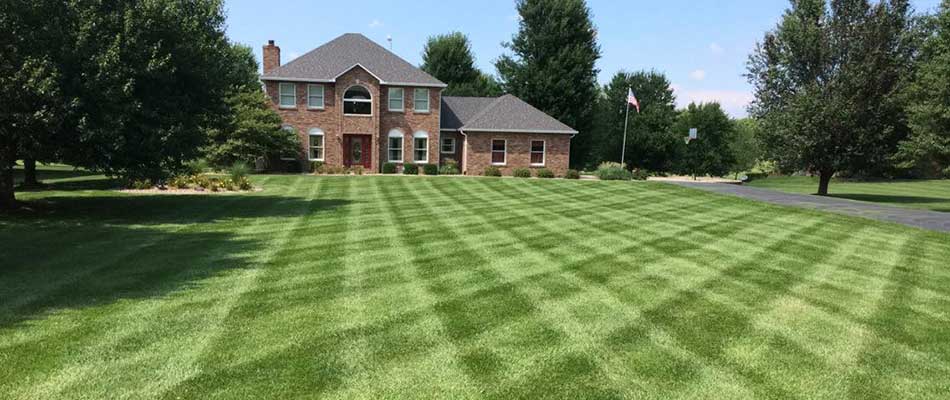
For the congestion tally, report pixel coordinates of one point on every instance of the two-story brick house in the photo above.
(353, 102)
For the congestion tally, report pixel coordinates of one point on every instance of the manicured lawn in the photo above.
(923, 194)
(415, 287)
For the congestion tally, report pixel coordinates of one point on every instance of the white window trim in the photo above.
(370, 101)
(395, 133)
(323, 98)
(428, 108)
(323, 142)
(504, 153)
(420, 135)
(442, 146)
(402, 100)
(544, 151)
(280, 95)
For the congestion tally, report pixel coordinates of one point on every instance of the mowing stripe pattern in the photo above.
(405, 287)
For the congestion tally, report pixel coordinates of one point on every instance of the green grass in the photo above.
(920, 194)
(415, 287)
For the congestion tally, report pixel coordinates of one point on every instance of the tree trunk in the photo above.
(29, 173)
(7, 198)
(824, 178)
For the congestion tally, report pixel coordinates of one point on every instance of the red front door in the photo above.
(356, 150)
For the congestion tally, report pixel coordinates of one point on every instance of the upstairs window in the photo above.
(537, 153)
(315, 96)
(395, 146)
(499, 150)
(357, 101)
(420, 147)
(420, 100)
(316, 145)
(396, 99)
(288, 95)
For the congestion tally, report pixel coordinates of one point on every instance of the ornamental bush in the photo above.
(611, 171)
(430, 169)
(410, 169)
(389, 168)
(492, 171)
(572, 174)
(544, 173)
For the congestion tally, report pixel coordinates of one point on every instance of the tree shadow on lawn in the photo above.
(93, 251)
(890, 199)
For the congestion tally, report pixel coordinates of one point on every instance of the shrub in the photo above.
(357, 170)
(492, 171)
(142, 184)
(755, 176)
(316, 167)
(244, 184)
(410, 169)
(389, 168)
(640, 175)
(214, 185)
(239, 170)
(544, 173)
(201, 181)
(521, 173)
(572, 174)
(451, 167)
(228, 184)
(611, 171)
(430, 169)
(179, 182)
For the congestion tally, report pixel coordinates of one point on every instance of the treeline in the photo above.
(133, 89)
(841, 88)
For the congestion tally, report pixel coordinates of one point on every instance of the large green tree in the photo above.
(32, 40)
(826, 85)
(150, 78)
(928, 149)
(649, 142)
(552, 65)
(449, 58)
(745, 145)
(710, 153)
(252, 128)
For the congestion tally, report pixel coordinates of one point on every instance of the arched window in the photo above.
(395, 143)
(420, 147)
(316, 144)
(357, 101)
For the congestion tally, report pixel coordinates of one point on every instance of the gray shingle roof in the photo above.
(502, 114)
(327, 62)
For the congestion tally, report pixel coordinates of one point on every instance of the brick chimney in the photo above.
(271, 56)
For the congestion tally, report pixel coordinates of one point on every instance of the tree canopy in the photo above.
(449, 58)
(711, 153)
(650, 144)
(827, 82)
(927, 151)
(552, 65)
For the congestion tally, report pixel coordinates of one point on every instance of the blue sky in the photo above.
(701, 45)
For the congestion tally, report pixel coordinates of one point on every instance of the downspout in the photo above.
(464, 166)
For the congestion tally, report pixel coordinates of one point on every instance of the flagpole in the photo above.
(623, 151)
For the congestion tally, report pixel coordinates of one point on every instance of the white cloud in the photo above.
(698, 75)
(716, 49)
(375, 23)
(733, 102)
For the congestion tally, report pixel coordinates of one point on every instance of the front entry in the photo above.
(356, 150)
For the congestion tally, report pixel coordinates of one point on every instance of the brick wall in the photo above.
(478, 151)
(457, 155)
(410, 122)
(334, 124)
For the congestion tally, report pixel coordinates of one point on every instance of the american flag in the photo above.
(633, 99)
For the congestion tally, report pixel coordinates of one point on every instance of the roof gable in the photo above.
(338, 56)
(503, 114)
